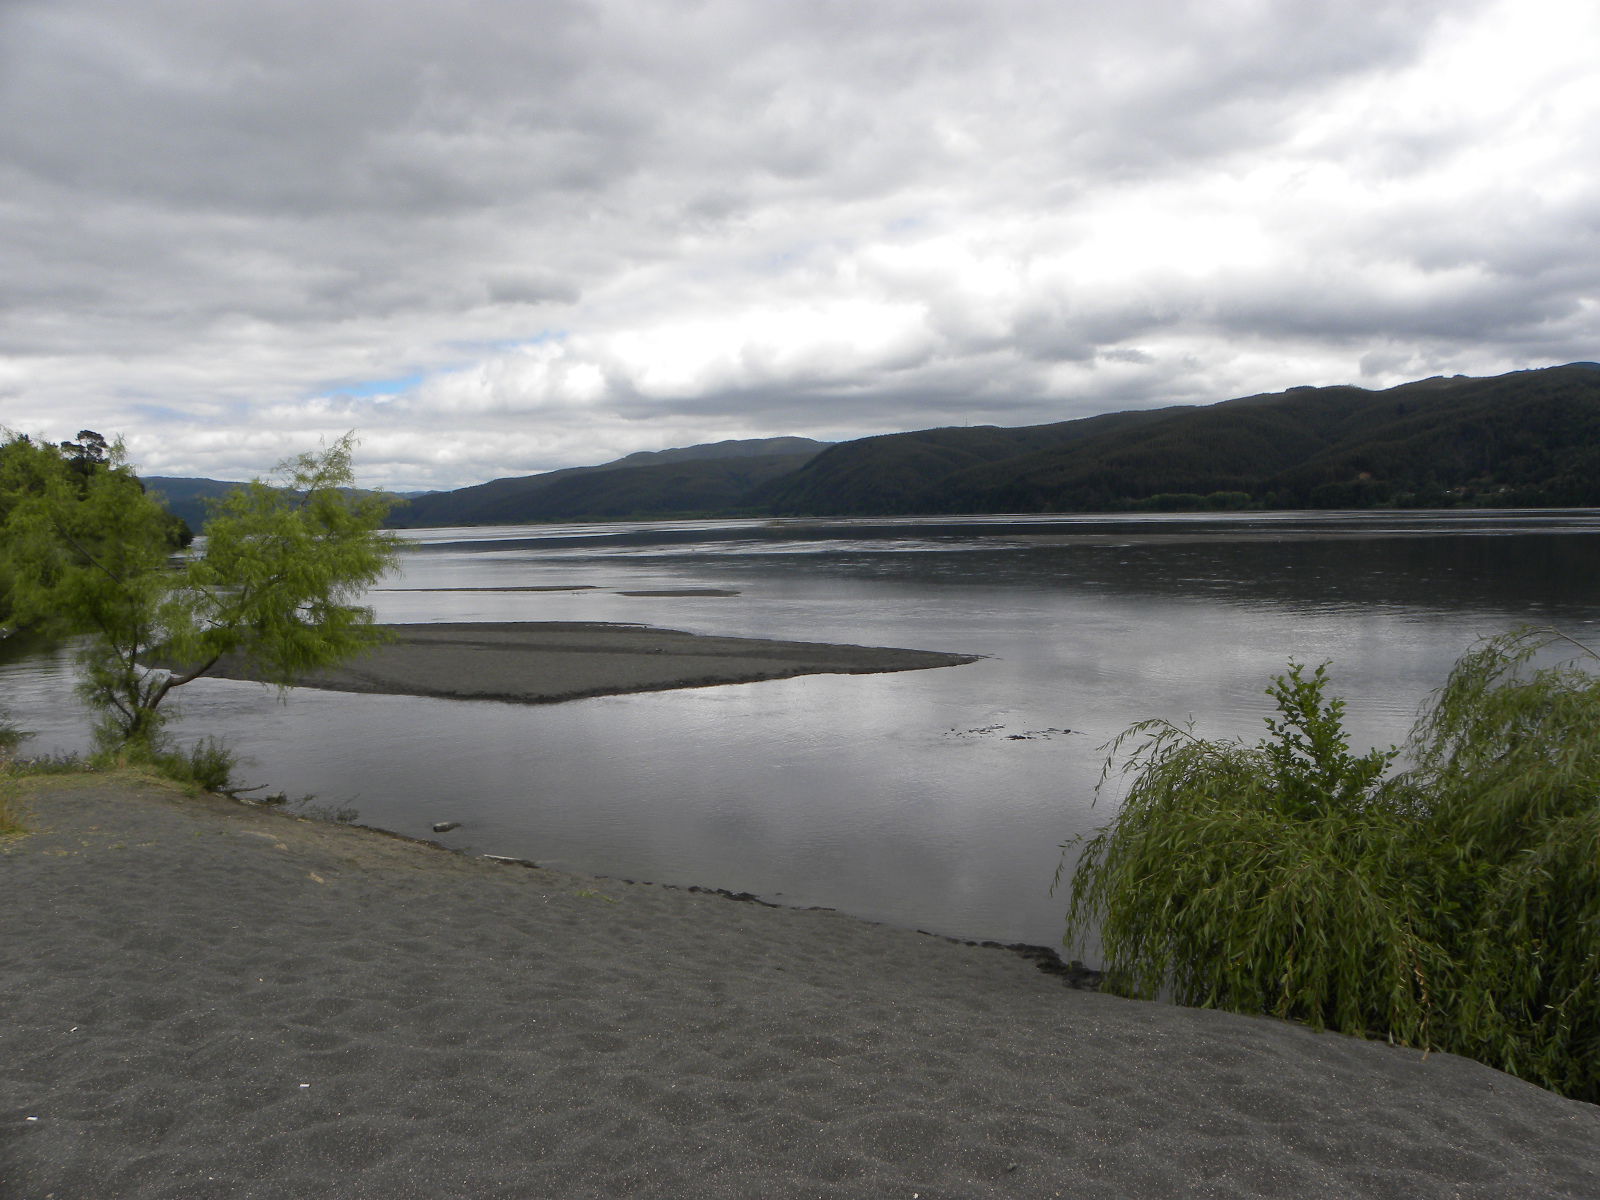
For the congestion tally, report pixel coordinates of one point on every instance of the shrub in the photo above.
(10, 738)
(10, 816)
(51, 764)
(207, 765)
(1455, 905)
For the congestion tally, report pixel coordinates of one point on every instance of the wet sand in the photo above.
(546, 662)
(207, 999)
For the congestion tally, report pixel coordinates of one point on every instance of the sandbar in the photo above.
(545, 662)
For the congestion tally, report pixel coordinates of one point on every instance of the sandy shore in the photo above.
(204, 999)
(548, 661)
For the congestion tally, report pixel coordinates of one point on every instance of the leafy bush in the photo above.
(207, 765)
(1454, 905)
(10, 738)
(51, 764)
(10, 816)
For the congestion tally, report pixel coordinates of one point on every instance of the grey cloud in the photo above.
(1507, 232)
(263, 107)
(1356, 315)
(528, 287)
(209, 202)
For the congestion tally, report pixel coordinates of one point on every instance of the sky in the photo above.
(496, 237)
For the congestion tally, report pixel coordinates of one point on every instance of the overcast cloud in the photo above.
(502, 236)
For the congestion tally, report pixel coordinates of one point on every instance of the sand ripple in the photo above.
(208, 1000)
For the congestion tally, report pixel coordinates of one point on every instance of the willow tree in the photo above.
(85, 550)
(1454, 904)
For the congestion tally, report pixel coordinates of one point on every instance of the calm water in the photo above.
(932, 799)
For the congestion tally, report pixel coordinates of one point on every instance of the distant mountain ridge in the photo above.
(745, 448)
(188, 498)
(709, 478)
(1528, 438)
(653, 478)
(191, 498)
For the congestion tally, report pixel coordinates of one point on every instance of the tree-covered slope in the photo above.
(1530, 437)
(718, 476)
(193, 499)
(903, 472)
(188, 498)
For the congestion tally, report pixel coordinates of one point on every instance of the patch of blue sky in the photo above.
(500, 345)
(377, 387)
(160, 413)
(907, 224)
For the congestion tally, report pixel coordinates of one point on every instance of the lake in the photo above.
(931, 799)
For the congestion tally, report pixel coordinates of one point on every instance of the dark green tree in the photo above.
(84, 550)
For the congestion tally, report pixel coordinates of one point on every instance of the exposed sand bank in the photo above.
(204, 999)
(548, 661)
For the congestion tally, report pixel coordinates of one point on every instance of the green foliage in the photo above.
(10, 814)
(1310, 769)
(281, 569)
(52, 764)
(1254, 877)
(1455, 905)
(10, 738)
(208, 765)
(71, 530)
(1509, 759)
(87, 551)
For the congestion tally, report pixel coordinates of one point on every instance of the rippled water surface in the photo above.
(933, 799)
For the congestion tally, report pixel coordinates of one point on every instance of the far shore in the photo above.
(545, 662)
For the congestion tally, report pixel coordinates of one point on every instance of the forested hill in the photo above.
(1528, 438)
(712, 478)
(192, 499)
(188, 498)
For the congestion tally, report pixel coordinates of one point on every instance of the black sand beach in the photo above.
(544, 662)
(205, 999)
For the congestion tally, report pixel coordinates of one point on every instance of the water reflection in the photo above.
(913, 798)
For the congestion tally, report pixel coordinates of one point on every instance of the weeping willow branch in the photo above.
(1455, 905)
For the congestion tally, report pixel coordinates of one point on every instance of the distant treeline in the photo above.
(1527, 439)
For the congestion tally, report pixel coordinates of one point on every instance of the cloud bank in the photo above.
(497, 238)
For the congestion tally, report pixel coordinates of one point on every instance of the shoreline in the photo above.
(207, 998)
(547, 662)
